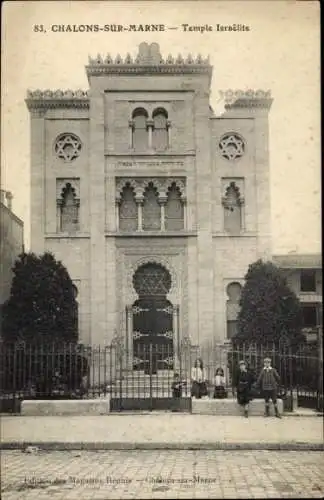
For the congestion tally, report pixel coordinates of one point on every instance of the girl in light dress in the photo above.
(198, 380)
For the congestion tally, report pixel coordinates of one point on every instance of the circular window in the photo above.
(67, 147)
(231, 146)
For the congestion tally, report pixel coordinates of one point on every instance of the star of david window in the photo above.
(67, 147)
(231, 146)
(152, 279)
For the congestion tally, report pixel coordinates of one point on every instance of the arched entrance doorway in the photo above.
(152, 319)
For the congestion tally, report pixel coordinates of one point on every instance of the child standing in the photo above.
(198, 379)
(220, 383)
(177, 385)
(269, 380)
(244, 384)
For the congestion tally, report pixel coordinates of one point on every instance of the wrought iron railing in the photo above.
(77, 371)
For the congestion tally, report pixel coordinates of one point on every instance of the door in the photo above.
(153, 334)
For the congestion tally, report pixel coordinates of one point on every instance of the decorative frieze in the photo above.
(149, 57)
(51, 99)
(150, 163)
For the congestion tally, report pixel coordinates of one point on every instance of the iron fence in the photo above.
(143, 378)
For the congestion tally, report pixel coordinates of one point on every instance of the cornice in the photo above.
(57, 99)
(131, 69)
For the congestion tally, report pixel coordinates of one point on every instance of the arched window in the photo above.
(151, 209)
(128, 218)
(233, 290)
(139, 129)
(174, 209)
(160, 139)
(232, 209)
(69, 210)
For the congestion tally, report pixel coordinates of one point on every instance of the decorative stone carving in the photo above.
(231, 146)
(51, 99)
(162, 184)
(232, 196)
(67, 147)
(53, 94)
(149, 55)
(61, 184)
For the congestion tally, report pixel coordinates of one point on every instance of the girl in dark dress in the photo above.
(244, 384)
(220, 384)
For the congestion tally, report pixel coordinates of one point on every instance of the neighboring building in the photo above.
(155, 205)
(11, 243)
(304, 276)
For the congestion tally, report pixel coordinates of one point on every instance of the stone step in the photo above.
(230, 406)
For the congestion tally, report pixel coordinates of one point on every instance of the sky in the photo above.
(280, 52)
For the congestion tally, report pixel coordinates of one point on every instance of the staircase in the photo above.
(141, 385)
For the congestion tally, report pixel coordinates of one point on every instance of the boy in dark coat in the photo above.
(269, 380)
(243, 384)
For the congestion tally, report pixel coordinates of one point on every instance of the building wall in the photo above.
(203, 258)
(11, 245)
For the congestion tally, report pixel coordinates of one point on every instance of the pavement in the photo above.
(160, 430)
(159, 474)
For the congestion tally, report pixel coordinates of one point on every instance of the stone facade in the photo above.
(11, 243)
(140, 170)
(305, 278)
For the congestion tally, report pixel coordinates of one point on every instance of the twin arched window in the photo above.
(148, 134)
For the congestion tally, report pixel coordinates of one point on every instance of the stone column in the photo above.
(117, 213)
(185, 213)
(131, 129)
(150, 125)
(139, 201)
(162, 202)
(169, 133)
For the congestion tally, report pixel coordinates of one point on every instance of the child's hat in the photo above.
(242, 362)
(267, 359)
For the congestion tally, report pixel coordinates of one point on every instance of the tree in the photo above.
(42, 306)
(270, 310)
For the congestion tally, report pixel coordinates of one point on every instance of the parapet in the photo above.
(148, 60)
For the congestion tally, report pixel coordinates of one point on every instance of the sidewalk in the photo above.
(161, 431)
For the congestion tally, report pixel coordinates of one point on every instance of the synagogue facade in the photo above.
(154, 204)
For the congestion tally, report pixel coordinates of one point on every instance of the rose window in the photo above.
(67, 147)
(231, 146)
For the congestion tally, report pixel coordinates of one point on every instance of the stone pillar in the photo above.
(37, 181)
(97, 220)
(204, 197)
